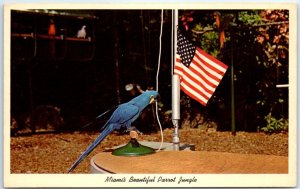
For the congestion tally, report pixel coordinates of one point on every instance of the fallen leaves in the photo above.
(55, 153)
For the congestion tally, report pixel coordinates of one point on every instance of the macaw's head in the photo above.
(144, 99)
(152, 95)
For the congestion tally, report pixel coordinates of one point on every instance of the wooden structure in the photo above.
(31, 38)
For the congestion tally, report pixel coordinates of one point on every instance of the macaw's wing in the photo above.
(96, 121)
(125, 114)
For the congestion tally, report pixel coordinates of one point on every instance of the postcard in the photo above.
(150, 95)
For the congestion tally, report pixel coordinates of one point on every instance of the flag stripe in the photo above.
(196, 85)
(177, 67)
(207, 77)
(199, 70)
(212, 61)
(217, 73)
(208, 68)
(193, 94)
(197, 89)
(188, 73)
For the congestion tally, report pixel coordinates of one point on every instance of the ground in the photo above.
(55, 153)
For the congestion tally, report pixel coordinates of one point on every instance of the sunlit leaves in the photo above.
(273, 37)
(249, 18)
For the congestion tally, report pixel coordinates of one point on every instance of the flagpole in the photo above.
(233, 129)
(175, 86)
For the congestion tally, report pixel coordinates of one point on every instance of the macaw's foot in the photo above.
(135, 130)
(133, 135)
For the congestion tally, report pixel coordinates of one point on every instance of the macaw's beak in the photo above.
(152, 100)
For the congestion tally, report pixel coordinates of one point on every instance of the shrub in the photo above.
(275, 125)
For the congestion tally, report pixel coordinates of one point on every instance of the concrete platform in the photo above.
(198, 162)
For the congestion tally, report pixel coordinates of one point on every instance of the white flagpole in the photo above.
(175, 87)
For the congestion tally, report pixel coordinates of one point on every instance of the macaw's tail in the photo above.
(101, 137)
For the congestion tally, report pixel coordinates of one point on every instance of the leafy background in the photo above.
(66, 93)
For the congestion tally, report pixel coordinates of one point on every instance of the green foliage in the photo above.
(210, 43)
(275, 125)
(208, 40)
(185, 102)
(249, 17)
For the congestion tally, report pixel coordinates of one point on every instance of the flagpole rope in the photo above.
(157, 74)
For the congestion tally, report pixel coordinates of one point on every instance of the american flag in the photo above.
(199, 72)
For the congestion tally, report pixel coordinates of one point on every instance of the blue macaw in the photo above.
(123, 116)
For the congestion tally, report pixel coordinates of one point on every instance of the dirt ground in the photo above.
(55, 153)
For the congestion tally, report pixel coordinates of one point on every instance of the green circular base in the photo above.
(133, 148)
